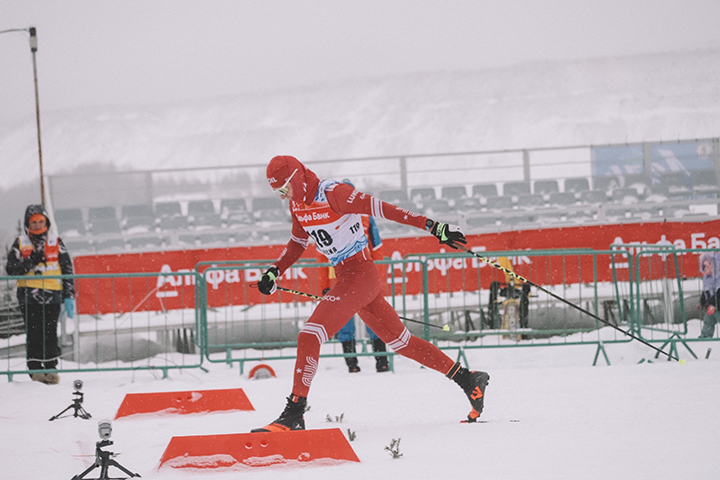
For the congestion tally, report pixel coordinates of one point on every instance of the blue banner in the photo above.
(619, 161)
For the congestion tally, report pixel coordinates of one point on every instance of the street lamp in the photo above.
(33, 49)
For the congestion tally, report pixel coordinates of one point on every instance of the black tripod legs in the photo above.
(104, 471)
(103, 460)
(79, 412)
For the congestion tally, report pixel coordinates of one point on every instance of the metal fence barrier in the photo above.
(241, 325)
(478, 317)
(448, 289)
(665, 293)
(166, 321)
(122, 322)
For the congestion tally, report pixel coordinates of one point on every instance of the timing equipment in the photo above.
(102, 458)
(76, 404)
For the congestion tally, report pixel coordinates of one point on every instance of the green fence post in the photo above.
(600, 348)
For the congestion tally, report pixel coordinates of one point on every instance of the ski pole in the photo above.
(445, 327)
(557, 297)
(318, 297)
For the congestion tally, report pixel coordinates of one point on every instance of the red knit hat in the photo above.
(304, 181)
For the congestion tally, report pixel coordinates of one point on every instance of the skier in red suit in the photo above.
(330, 212)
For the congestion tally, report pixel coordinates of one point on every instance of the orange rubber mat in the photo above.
(325, 447)
(195, 401)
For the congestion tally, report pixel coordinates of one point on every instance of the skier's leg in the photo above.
(358, 284)
(353, 291)
(385, 322)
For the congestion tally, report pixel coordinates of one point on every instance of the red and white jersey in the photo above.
(334, 222)
(336, 236)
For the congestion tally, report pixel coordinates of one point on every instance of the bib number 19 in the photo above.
(322, 237)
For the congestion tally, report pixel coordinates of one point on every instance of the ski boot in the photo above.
(473, 384)
(290, 419)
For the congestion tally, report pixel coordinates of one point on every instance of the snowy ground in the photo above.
(626, 421)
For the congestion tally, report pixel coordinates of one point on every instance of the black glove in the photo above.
(448, 234)
(37, 257)
(266, 285)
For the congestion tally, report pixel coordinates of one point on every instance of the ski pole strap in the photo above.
(272, 272)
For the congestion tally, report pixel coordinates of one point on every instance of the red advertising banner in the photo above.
(175, 288)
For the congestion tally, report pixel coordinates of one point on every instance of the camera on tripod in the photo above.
(79, 396)
(103, 458)
(105, 429)
(76, 404)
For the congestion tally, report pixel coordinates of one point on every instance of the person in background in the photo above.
(512, 288)
(330, 212)
(710, 297)
(346, 335)
(34, 255)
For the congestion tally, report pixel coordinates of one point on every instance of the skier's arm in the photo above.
(299, 240)
(294, 249)
(373, 236)
(343, 199)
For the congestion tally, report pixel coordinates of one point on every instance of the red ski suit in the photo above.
(332, 220)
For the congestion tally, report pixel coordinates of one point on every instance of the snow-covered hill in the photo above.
(652, 97)
(615, 100)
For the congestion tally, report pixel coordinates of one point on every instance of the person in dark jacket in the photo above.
(710, 297)
(35, 255)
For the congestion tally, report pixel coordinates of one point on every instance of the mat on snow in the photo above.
(325, 446)
(195, 401)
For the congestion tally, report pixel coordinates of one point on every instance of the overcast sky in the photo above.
(131, 52)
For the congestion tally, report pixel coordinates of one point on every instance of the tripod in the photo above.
(77, 405)
(103, 460)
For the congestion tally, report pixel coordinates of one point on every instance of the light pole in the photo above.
(33, 49)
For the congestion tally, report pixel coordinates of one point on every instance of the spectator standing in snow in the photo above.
(35, 255)
(330, 212)
(710, 297)
(512, 288)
